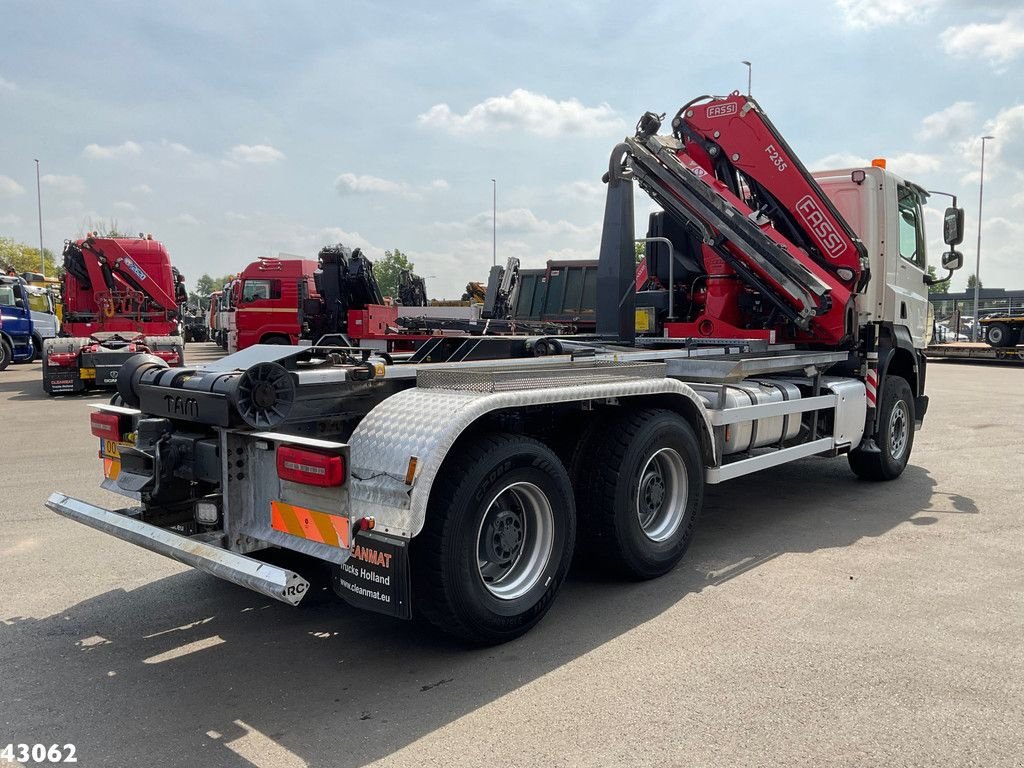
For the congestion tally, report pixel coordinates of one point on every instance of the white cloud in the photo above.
(7, 85)
(10, 220)
(255, 153)
(953, 122)
(912, 165)
(356, 184)
(999, 42)
(186, 219)
(10, 188)
(125, 206)
(74, 185)
(587, 191)
(520, 221)
(866, 14)
(97, 152)
(233, 216)
(174, 146)
(142, 189)
(838, 160)
(524, 110)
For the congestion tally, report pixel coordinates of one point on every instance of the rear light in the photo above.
(207, 512)
(171, 358)
(105, 425)
(61, 359)
(300, 465)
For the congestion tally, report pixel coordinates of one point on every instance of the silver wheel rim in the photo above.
(899, 429)
(515, 540)
(662, 494)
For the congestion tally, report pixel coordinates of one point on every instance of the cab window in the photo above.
(7, 296)
(911, 227)
(39, 302)
(256, 290)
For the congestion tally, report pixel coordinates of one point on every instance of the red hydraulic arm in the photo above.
(127, 270)
(765, 225)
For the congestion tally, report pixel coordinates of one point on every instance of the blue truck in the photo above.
(16, 330)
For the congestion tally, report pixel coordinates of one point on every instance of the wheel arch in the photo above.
(431, 422)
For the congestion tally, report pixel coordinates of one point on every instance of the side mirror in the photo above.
(953, 229)
(953, 259)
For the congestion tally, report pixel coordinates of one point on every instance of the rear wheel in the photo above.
(497, 542)
(276, 339)
(5, 355)
(895, 438)
(999, 335)
(642, 492)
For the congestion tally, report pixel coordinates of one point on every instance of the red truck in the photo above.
(270, 301)
(121, 297)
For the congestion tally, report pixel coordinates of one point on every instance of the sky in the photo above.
(231, 134)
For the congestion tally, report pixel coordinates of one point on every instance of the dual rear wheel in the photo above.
(503, 520)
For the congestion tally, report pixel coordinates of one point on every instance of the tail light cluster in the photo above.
(106, 426)
(302, 465)
(170, 357)
(62, 359)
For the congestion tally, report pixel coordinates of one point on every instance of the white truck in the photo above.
(784, 319)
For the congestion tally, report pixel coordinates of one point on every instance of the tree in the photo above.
(971, 280)
(939, 287)
(206, 285)
(387, 270)
(639, 251)
(24, 258)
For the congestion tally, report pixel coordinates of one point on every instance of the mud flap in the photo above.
(376, 576)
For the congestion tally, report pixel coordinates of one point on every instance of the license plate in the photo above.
(111, 449)
(87, 373)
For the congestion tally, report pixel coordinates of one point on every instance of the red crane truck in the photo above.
(457, 483)
(121, 297)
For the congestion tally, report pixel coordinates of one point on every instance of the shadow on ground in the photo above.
(332, 686)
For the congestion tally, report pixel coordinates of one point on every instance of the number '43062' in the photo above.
(777, 160)
(39, 753)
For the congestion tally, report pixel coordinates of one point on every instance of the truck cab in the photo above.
(270, 295)
(16, 344)
(45, 323)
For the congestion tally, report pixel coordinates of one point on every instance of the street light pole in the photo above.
(494, 223)
(750, 70)
(977, 260)
(39, 204)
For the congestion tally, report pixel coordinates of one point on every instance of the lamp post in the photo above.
(750, 70)
(977, 260)
(39, 204)
(494, 223)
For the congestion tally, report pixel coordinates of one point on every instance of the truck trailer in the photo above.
(456, 483)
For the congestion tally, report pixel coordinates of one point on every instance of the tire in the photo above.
(276, 339)
(895, 438)
(498, 540)
(999, 335)
(37, 348)
(642, 486)
(6, 355)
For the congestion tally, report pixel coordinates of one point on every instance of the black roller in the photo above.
(131, 373)
(264, 395)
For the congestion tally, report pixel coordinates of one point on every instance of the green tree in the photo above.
(940, 287)
(971, 280)
(205, 284)
(24, 258)
(639, 251)
(387, 270)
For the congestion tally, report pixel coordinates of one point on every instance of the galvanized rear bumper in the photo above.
(270, 580)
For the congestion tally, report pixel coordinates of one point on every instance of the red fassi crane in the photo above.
(766, 229)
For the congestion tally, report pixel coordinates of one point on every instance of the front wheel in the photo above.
(497, 542)
(999, 335)
(895, 438)
(5, 355)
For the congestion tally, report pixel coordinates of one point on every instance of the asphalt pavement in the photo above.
(817, 620)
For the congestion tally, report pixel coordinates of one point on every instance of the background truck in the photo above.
(457, 483)
(1003, 331)
(120, 298)
(270, 296)
(16, 329)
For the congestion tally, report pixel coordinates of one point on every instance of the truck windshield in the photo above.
(254, 290)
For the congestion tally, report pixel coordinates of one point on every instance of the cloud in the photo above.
(126, 206)
(953, 122)
(7, 85)
(1000, 42)
(74, 185)
(10, 220)
(587, 191)
(142, 189)
(355, 184)
(10, 188)
(867, 14)
(838, 160)
(524, 110)
(186, 219)
(520, 221)
(174, 146)
(911, 165)
(255, 153)
(97, 152)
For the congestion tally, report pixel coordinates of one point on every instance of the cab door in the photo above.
(908, 279)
